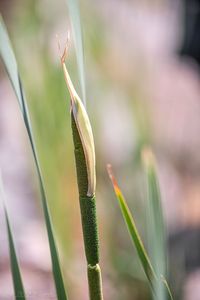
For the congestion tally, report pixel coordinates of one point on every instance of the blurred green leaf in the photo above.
(155, 280)
(73, 6)
(130, 223)
(156, 229)
(16, 275)
(9, 60)
(169, 293)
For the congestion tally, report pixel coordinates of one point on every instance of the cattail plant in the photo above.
(86, 177)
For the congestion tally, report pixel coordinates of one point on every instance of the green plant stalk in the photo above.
(88, 218)
(94, 278)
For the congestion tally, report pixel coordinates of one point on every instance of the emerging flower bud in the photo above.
(84, 129)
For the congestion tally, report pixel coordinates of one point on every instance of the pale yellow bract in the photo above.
(84, 129)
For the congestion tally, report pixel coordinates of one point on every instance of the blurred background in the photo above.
(142, 87)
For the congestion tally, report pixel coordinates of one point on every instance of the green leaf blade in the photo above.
(155, 280)
(136, 238)
(16, 274)
(156, 226)
(15, 269)
(57, 273)
(134, 234)
(9, 61)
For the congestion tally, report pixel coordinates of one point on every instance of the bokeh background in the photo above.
(142, 87)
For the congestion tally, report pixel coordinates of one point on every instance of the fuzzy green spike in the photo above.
(81, 168)
(87, 204)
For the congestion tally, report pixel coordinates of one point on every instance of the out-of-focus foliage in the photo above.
(138, 93)
(10, 63)
(34, 30)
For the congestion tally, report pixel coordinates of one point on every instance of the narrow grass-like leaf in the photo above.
(16, 274)
(155, 221)
(73, 6)
(155, 280)
(130, 223)
(169, 293)
(10, 63)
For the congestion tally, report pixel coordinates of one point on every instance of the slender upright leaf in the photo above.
(149, 270)
(130, 223)
(73, 6)
(8, 58)
(156, 229)
(16, 275)
(9, 61)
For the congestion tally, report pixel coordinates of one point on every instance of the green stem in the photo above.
(94, 279)
(88, 218)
